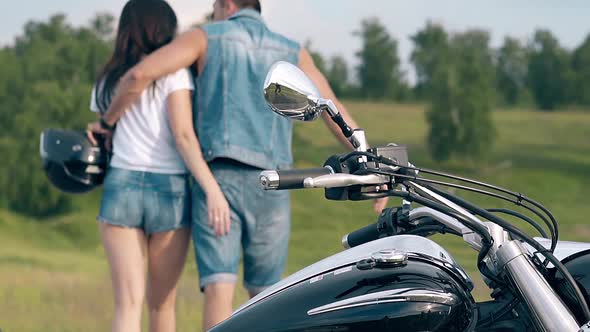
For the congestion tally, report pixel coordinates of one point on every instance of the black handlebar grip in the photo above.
(290, 179)
(361, 236)
(293, 178)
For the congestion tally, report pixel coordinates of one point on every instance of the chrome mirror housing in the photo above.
(290, 93)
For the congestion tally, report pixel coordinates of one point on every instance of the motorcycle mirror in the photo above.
(290, 93)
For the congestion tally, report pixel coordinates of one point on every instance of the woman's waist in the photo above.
(121, 178)
(163, 164)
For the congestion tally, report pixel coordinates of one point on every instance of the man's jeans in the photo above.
(260, 225)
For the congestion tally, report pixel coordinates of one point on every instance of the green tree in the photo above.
(581, 68)
(431, 48)
(317, 57)
(404, 90)
(460, 85)
(378, 70)
(335, 71)
(102, 26)
(45, 82)
(436, 82)
(11, 88)
(511, 71)
(338, 76)
(549, 75)
(475, 93)
(442, 115)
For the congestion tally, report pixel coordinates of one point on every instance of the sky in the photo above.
(329, 24)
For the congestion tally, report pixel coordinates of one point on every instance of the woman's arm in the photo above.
(181, 123)
(182, 52)
(108, 135)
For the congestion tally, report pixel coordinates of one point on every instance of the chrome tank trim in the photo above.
(409, 243)
(395, 295)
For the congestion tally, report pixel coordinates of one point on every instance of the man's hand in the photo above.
(379, 204)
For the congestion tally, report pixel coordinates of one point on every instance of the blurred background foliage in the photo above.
(46, 76)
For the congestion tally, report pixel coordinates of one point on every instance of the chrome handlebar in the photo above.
(548, 311)
(505, 257)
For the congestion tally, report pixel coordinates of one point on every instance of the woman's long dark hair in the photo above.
(144, 26)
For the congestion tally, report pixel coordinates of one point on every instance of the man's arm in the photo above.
(182, 52)
(308, 66)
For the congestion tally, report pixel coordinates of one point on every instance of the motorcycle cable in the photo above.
(523, 217)
(499, 313)
(481, 230)
(423, 180)
(514, 213)
(540, 249)
(519, 197)
(489, 216)
(479, 191)
(511, 229)
(425, 229)
(551, 225)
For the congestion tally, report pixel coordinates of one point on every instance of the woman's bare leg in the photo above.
(125, 249)
(166, 257)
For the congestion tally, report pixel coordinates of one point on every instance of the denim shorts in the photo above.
(260, 225)
(152, 202)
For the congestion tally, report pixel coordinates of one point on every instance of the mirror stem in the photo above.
(356, 137)
(339, 120)
(329, 106)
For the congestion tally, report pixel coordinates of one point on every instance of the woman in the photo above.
(144, 214)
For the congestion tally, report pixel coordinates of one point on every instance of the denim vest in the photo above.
(231, 117)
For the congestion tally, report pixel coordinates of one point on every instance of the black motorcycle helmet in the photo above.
(72, 163)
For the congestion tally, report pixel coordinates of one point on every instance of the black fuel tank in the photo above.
(578, 265)
(424, 293)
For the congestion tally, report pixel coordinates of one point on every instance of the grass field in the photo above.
(53, 275)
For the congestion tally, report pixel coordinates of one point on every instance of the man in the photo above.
(239, 136)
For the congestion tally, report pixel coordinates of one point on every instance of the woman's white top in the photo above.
(143, 140)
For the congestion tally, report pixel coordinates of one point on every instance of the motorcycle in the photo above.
(392, 277)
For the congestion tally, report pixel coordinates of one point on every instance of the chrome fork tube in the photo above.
(548, 311)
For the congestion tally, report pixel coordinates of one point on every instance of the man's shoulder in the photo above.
(220, 28)
(285, 40)
(292, 44)
(230, 29)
